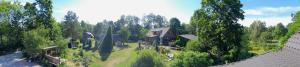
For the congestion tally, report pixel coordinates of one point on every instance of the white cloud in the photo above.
(98, 10)
(271, 15)
(271, 10)
(270, 21)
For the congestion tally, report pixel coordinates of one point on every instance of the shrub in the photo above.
(148, 58)
(107, 45)
(194, 45)
(35, 40)
(180, 43)
(191, 59)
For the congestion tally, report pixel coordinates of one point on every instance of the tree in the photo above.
(98, 29)
(175, 26)
(125, 34)
(11, 19)
(119, 24)
(71, 26)
(30, 16)
(86, 27)
(142, 33)
(133, 27)
(192, 59)
(35, 40)
(218, 29)
(256, 28)
(44, 13)
(154, 21)
(280, 31)
(107, 45)
(148, 58)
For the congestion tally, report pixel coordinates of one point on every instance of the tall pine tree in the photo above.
(107, 45)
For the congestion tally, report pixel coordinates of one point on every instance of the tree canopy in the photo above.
(219, 30)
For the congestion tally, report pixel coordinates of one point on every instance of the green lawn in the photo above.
(118, 58)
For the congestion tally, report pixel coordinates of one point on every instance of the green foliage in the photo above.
(280, 31)
(98, 29)
(35, 40)
(133, 27)
(86, 27)
(292, 28)
(125, 34)
(44, 13)
(11, 30)
(192, 59)
(256, 29)
(263, 39)
(148, 58)
(107, 45)
(175, 26)
(180, 43)
(218, 30)
(194, 45)
(31, 27)
(142, 33)
(158, 21)
(71, 26)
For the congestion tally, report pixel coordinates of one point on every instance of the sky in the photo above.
(270, 11)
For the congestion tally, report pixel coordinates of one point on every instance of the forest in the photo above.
(220, 38)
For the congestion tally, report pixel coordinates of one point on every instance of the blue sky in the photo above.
(93, 11)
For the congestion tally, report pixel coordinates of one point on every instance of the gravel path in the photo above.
(15, 60)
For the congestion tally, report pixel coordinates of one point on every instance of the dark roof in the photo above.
(162, 34)
(189, 36)
(117, 37)
(288, 56)
(89, 34)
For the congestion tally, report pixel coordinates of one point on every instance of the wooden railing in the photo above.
(53, 60)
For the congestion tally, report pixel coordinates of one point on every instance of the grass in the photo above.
(118, 58)
(261, 48)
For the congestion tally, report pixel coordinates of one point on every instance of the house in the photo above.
(160, 36)
(87, 40)
(288, 56)
(118, 39)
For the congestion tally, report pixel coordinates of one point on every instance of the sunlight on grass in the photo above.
(118, 58)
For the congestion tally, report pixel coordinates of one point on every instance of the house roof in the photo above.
(189, 36)
(162, 34)
(117, 37)
(288, 56)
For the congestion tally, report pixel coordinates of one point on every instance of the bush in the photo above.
(191, 59)
(194, 45)
(35, 40)
(148, 58)
(292, 28)
(180, 43)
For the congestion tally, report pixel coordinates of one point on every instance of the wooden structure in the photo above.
(50, 53)
(160, 35)
(187, 37)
